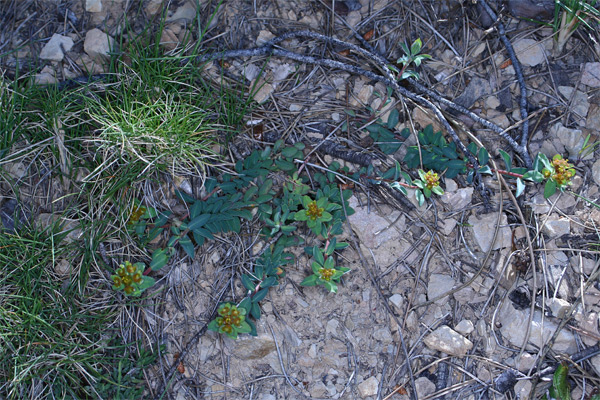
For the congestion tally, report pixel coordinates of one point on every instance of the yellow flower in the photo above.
(313, 212)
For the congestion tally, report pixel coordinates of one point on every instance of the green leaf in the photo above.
(520, 187)
(212, 326)
(288, 228)
(506, 158)
(483, 156)
(341, 245)
(199, 221)
(560, 382)
(285, 165)
(187, 245)
(534, 176)
(331, 286)
(249, 193)
(245, 304)
(261, 294)
(147, 282)
(247, 282)
(160, 258)
(393, 118)
(270, 281)
(309, 281)
(438, 190)
(420, 198)
(252, 327)
(255, 310)
(244, 327)
(331, 248)
(407, 178)
(291, 152)
(318, 256)
(549, 188)
(416, 47)
(350, 113)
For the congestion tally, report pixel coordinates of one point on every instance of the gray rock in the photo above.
(439, 284)
(317, 389)
(514, 325)
(483, 230)
(556, 226)
(397, 300)
(253, 348)
(448, 341)
(368, 387)
(94, 6)
(578, 100)
(571, 139)
(372, 229)
(464, 327)
(593, 117)
(458, 199)
(52, 50)
(185, 13)
(591, 74)
(596, 363)
(529, 52)
(557, 279)
(596, 172)
(424, 387)
(558, 307)
(98, 44)
(476, 89)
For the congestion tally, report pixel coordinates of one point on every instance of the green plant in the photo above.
(411, 56)
(569, 14)
(246, 194)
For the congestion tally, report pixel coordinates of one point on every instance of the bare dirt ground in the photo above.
(423, 282)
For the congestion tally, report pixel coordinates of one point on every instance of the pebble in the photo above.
(424, 387)
(448, 341)
(484, 227)
(529, 52)
(591, 74)
(397, 300)
(556, 226)
(94, 6)
(464, 327)
(53, 50)
(578, 101)
(368, 387)
(439, 284)
(98, 44)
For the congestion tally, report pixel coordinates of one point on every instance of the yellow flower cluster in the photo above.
(326, 273)
(563, 171)
(229, 317)
(313, 212)
(431, 180)
(126, 275)
(136, 214)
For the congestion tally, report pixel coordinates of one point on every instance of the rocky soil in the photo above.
(431, 279)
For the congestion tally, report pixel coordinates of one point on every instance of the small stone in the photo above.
(16, 170)
(596, 172)
(484, 227)
(448, 341)
(318, 390)
(312, 351)
(263, 37)
(46, 76)
(264, 91)
(556, 226)
(571, 139)
(253, 348)
(98, 44)
(397, 300)
(62, 268)
(596, 363)
(187, 13)
(373, 230)
(364, 95)
(578, 99)
(438, 285)
(588, 322)
(383, 335)
(153, 7)
(94, 6)
(458, 199)
(492, 102)
(529, 52)
(368, 387)
(424, 387)
(514, 325)
(591, 74)
(593, 118)
(53, 50)
(332, 326)
(556, 277)
(526, 362)
(168, 40)
(448, 225)
(523, 389)
(558, 307)
(464, 327)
